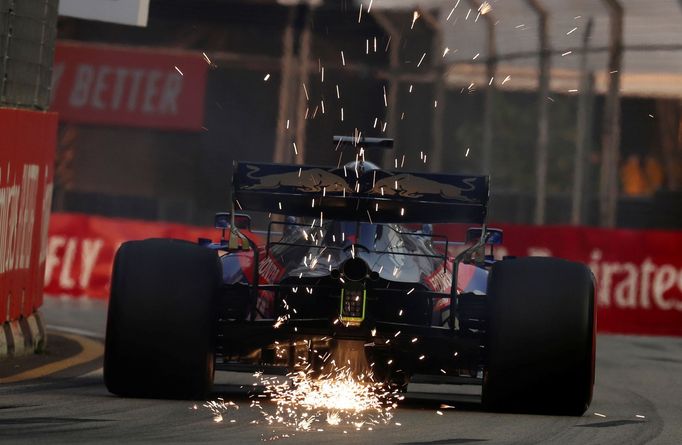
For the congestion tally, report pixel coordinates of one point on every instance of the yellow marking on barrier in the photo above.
(91, 350)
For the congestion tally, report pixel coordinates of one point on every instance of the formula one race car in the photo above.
(351, 265)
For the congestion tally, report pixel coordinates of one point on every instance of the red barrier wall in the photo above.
(27, 147)
(639, 273)
(81, 249)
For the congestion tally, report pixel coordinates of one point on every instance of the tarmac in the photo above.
(64, 356)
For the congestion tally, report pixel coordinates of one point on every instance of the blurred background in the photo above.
(573, 107)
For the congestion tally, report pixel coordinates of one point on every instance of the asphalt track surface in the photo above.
(638, 399)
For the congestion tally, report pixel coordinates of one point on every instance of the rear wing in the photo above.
(373, 196)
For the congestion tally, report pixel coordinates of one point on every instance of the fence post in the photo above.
(545, 60)
(582, 126)
(303, 102)
(436, 152)
(610, 152)
(285, 86)
(491, 69)
(393, 83)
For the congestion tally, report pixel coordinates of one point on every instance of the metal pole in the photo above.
(393, 84)
(545, 60)
(438, 67)
(43, 26)
(582, 125)
(301, 109)
(488, 105)
(5, 57)
(284, 89)
(608, 185)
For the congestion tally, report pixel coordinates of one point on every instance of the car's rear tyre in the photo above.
(160, 324)
(540, 344)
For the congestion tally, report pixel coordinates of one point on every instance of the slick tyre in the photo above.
(540, 347)
(160, 323)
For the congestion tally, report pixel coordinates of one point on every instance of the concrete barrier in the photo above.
(23, 336)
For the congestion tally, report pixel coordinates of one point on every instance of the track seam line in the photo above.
(83, 332)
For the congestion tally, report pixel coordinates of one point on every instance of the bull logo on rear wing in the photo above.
(411, 186)
(304, 180)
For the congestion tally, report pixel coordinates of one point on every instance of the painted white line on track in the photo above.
(76, 331)
(99, 372)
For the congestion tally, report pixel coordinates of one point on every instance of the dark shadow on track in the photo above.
(445, 442)
(610, 423)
